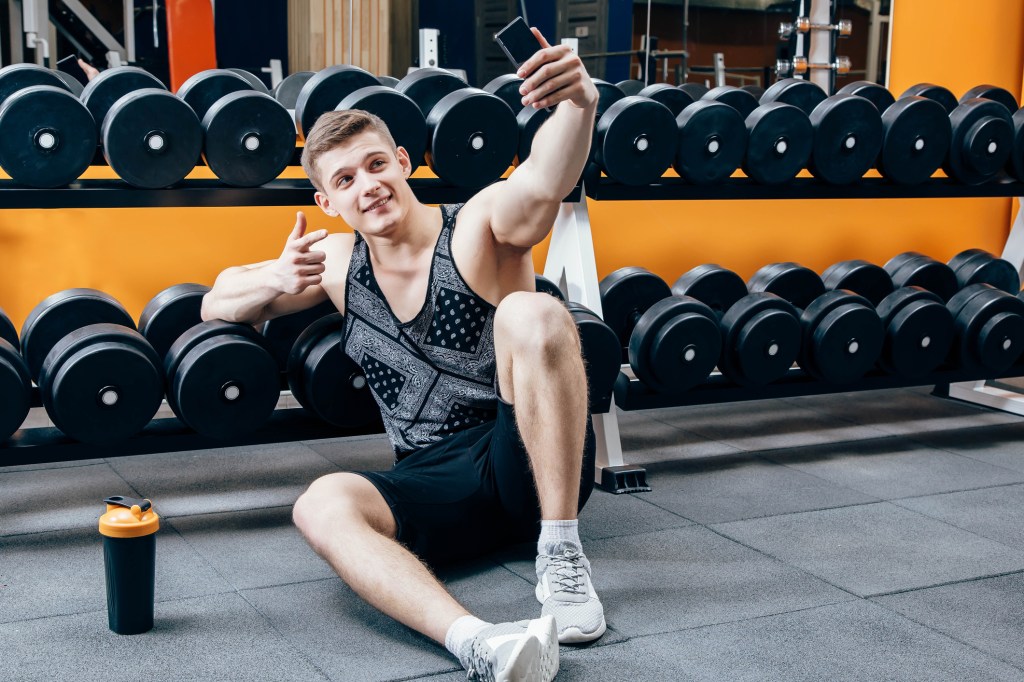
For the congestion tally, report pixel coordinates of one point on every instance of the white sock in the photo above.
(554, 532)
(461, 631)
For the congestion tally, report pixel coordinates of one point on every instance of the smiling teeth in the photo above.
(378, 204)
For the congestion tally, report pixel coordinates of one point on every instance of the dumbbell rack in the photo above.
(571, 264)
(48, 444)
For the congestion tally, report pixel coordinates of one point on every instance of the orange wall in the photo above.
(133, 253)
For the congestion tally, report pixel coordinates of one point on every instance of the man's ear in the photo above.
(403, 159)
(324, 202)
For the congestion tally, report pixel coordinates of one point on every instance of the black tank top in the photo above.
(432, 376)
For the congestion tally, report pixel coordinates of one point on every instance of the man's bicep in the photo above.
(518, 212)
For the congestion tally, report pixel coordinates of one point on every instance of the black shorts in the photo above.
(470, 493)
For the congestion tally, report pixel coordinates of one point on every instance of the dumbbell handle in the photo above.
(844, 27)
(800, 66)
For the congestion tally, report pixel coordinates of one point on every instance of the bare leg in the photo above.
(348, 523)
(540, 371)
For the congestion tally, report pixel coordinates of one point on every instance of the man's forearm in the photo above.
(240, 294)
(561, 148)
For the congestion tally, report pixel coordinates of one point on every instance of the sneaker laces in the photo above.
(480, 660)
(568, 571)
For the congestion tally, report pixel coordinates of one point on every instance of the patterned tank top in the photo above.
(432, 376)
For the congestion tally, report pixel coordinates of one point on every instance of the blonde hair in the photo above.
(334, 128)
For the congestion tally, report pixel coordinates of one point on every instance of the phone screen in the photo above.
(69, 65)
(517, 41)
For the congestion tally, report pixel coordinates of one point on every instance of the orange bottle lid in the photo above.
(127, 517)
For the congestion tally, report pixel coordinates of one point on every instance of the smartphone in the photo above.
(517, 41)
(69, 65)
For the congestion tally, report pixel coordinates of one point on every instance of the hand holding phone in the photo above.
(70, 66)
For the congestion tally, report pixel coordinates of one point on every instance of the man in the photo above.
(479, 378)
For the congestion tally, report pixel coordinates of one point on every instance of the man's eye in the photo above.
(377, 163)
(344, 179)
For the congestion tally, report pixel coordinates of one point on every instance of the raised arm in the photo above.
(523, 208)
(261, 291)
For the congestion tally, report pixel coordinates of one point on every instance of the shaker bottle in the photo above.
(129, 556)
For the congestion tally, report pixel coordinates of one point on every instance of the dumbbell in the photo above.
(248, 136)
(977, 266)
(918, 327)
(914, 269)
(601, 356)
(471, 135)
(222, 381)
(281, 332)
(712, 136)
(915, 133)
(543, 284)
(631, 86)
(990, 329)
(47, 137)
(694, 90)
(779, 136)
(847, 129)
(344, 87)
(15, 383)
(671, 342)
(841, 332)
(325, 381)
(255, 82)
(528, 120)
(1015, 166)
(150, 138)
(99, 378)
(982, 134)
(287, 91)
(760, 331)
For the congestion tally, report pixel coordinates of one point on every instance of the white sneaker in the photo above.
(525, 651)
(565, 592)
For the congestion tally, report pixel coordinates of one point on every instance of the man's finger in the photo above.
(300, 226)
(543, 41)
(312, 238)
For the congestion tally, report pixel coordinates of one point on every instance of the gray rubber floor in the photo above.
(869, 536)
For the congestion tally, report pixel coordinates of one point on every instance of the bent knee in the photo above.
(338, 502)
(534, 321)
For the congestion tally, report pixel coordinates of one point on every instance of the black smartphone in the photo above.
(70, 66)
(517, 41)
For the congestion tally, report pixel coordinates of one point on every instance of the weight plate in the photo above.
(473, 138)
(325, 90)
(756, 90)
(919, 332)
(847, 139)
(982, 141)
(101, 384)
(170, 314)
(205, 88)
(287, 91)
(151, 138)
(15, 77)
(631, 87)
(976, 266)
(111, 85)
(994, 93)
(780, 138)
(741, 100)
(675, 345)
(255, 82)
(47, 137)
(1015, 166)
(916, 137)
(675, 99)
(936, 93)
(842, 337)
(789, 281)
(74, 86)
(60, 314)
(546, 286)
(804, 95)
(7, 331)
(990, 328)
(712, 142)
(714, 286)
(625, 295)
(506, 87)
(694, 90)
(607, 95)
(428, 86)
(326, 381)
(862, 278)
(280, 332)
(389, 81)
(761, 339)
(15, 387)
(601, 355)
(916, 270)
(873, 92)
(400, 114)
(636, 138)
(195, 335)
(248, 138)
(529, 121)
(225, 386)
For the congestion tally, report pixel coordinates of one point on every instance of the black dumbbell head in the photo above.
(802, 94)
(626, 294)
(506, 87)
(1015, 166)
(741, 100)
(976, 266)
(871, 91)
(203, 89)
(919, 332)
(714, 286)
(322, 92)
(281, 332)
(672, 97)
(545, 285)
(842, 337)
(249, 138)
(7, 331)
(990, 329)
(994, 93)
(675, 344)
(914, 269)
(636, 140)
(916, 140)
(601, 354)
(760, 339)
(982, 141)
(473, 138)
(694, 90)
(933, 92)
(403, 118)
(862, 278)
(790, 281)
(110, 85)
(254, 81)
(287, 91)
(529, 121)
(712, 142)
(15, 387)
(631, 87)
(607, 95)
(847, 139)
(428, 86)
(15, 77)
(779, 143)
(170, 314)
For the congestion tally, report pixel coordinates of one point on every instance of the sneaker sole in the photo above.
(524, 664)
(546, 631)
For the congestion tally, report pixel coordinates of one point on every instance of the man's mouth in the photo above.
(377, 204)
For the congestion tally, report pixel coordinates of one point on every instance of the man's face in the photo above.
(365, 182)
